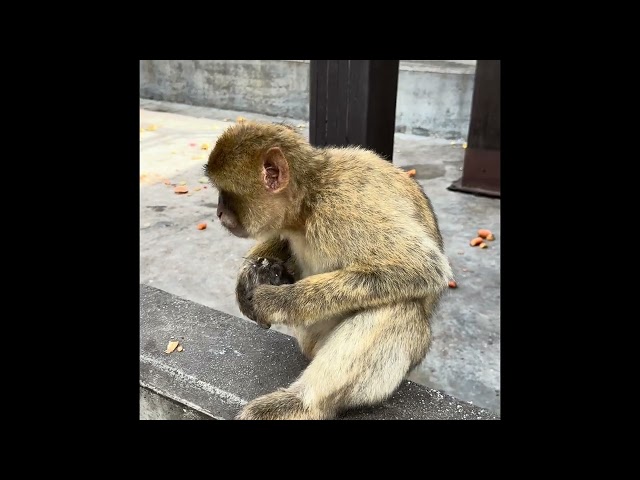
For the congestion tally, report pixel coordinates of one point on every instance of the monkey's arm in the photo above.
(273, 248)
(339, 292)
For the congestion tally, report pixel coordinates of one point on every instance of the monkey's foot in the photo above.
(266, 271)
(259, 271)
(279, 405)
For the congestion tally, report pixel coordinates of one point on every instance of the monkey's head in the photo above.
(251, 166)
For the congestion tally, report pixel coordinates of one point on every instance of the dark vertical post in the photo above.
(353, 102)
(481, 170)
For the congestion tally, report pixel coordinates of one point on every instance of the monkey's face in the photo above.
(252, 177)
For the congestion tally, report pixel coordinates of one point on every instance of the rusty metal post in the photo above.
(481, 170)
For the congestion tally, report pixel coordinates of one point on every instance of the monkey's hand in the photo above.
(254, 272)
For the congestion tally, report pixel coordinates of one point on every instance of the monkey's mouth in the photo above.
(237, 231)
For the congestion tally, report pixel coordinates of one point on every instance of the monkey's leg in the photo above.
(362, 362)
(311, 338)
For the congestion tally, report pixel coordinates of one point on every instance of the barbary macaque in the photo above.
(349, 255)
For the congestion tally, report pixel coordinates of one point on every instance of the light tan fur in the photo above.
(367, 254)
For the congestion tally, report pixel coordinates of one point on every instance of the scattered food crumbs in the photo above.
(476, 241)
(147, 225)
(453, 284)
(171, 347)
(192, 144)
(483, 245)
(166, 181)
(180, 348)
(412, 172)
(202, 226)
(490, 237)
(197, 189)
(204, 146)
(152, 128)
(484, 233)
(241, 119)
(464, 145)
(203, 180)
(181, 189)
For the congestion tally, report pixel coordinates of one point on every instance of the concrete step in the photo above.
(228, 361)
(434, 96)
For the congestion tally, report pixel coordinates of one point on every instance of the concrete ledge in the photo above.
(228, 361)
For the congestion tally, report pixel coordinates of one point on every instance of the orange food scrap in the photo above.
(204, 146)
(490, 237)
(181, 189)
(476, 241)
(202, 226)
(179, 348)
(452, 284)
(484, 233)
(171, 347)
(411, 172)
(483, 245)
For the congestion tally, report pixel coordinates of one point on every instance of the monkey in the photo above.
(349, 255)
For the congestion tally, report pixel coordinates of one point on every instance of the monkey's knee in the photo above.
(279, 405)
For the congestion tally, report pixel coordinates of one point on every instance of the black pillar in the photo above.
(353, 102)
(481, 170)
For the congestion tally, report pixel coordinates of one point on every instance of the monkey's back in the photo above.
(368, 207)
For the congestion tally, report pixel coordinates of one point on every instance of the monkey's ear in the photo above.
(275, 170)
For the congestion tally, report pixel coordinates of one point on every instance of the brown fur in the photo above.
(366, 250)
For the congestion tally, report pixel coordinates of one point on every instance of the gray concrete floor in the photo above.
(201, 265)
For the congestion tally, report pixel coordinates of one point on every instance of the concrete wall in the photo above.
(434, 101)
(278, 88)
(434, 96)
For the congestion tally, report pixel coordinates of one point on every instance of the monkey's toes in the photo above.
(271, 272)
